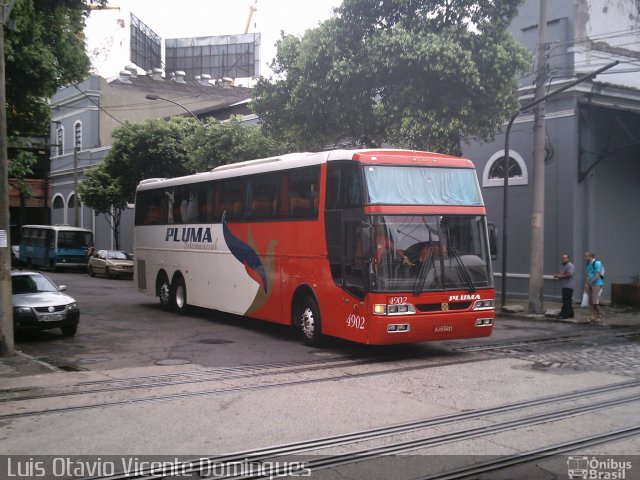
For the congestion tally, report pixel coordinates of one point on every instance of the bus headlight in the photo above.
(484, 305)
(403, 309)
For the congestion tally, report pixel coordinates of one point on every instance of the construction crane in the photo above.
(251, 10)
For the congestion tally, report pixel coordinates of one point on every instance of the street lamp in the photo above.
(152, 96)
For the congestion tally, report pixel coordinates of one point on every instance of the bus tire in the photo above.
(179, 295)
(52, 265)
(308, 321)
(164, 290)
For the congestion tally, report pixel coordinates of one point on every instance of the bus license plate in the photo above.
(443, 329)
(51, 318)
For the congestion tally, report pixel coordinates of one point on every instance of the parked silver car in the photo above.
(112, 263)
(39, 304)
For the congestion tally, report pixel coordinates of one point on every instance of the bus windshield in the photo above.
(430, 252)
(399, 185)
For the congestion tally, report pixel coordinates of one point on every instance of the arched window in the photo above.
(60, 140)
(493, 174)
(71, 201)
(58, 202)
(77, 135)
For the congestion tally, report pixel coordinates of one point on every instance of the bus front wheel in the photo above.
(164, 291)
(179, 296)
(308, 321)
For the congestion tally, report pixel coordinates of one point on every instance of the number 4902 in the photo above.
(355, 321)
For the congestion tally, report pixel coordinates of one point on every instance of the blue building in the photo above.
(592, 165)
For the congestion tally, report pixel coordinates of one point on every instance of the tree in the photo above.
(151, 149)
(102, 192)
(419, 74)
(44, 51)
(168, 148)
(20, 168)
(221, 143)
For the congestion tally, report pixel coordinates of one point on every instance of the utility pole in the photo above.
(6, 308)
(536, 265)
(75, 184)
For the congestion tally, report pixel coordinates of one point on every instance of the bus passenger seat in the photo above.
(154, 216)
(300, 206)
(262, 208)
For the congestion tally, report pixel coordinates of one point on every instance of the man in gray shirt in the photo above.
(567, 283)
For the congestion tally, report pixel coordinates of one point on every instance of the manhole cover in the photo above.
(173, 361)
(214, 341)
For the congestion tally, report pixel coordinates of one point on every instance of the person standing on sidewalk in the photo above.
(593, 286)
(567, 283)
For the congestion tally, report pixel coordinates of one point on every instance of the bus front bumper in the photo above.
(385, 330)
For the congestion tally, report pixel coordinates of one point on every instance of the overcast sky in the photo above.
(200, 18)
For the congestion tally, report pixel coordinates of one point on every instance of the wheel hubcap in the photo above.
(180, 296)
(308, 322)
(164, 293)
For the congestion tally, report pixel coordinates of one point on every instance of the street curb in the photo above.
(46, 365)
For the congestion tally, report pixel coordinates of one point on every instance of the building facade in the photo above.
(592, 151)
(85, 115)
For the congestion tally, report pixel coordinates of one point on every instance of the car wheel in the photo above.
(308, 321)
(91, 272)
(69, 331)
(164, 291)
(179, 296)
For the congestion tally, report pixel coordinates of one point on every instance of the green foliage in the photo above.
(20, 168)
(44, 51)
(415, 73)
(180, 146)
(150, 149)
(101, 191)
(221, 143)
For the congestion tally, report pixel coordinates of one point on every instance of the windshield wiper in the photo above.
(463, 273)
(424, 270)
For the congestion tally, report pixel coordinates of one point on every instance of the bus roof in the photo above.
(378, 156)
(58, 227)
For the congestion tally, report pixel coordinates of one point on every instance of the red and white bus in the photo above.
(374, 246)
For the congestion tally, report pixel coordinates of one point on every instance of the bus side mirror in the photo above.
(367, 241)
(493, 240)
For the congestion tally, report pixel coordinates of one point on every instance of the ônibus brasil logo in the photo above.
(594, 468)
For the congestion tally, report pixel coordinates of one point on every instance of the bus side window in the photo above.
(303, 192)
(231, 199)
(264, 197)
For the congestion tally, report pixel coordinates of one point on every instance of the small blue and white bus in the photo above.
(55, 246)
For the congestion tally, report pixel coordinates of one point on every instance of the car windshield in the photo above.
(35, 283)
(432, 252)
(117, 255)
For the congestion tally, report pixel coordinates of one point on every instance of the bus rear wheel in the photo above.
(164, 291)
(308, 321)
(179, 296)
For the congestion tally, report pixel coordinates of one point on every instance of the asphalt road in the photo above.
(121, 328)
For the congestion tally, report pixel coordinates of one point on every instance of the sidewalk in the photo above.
(20, 364)
(611, 316)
